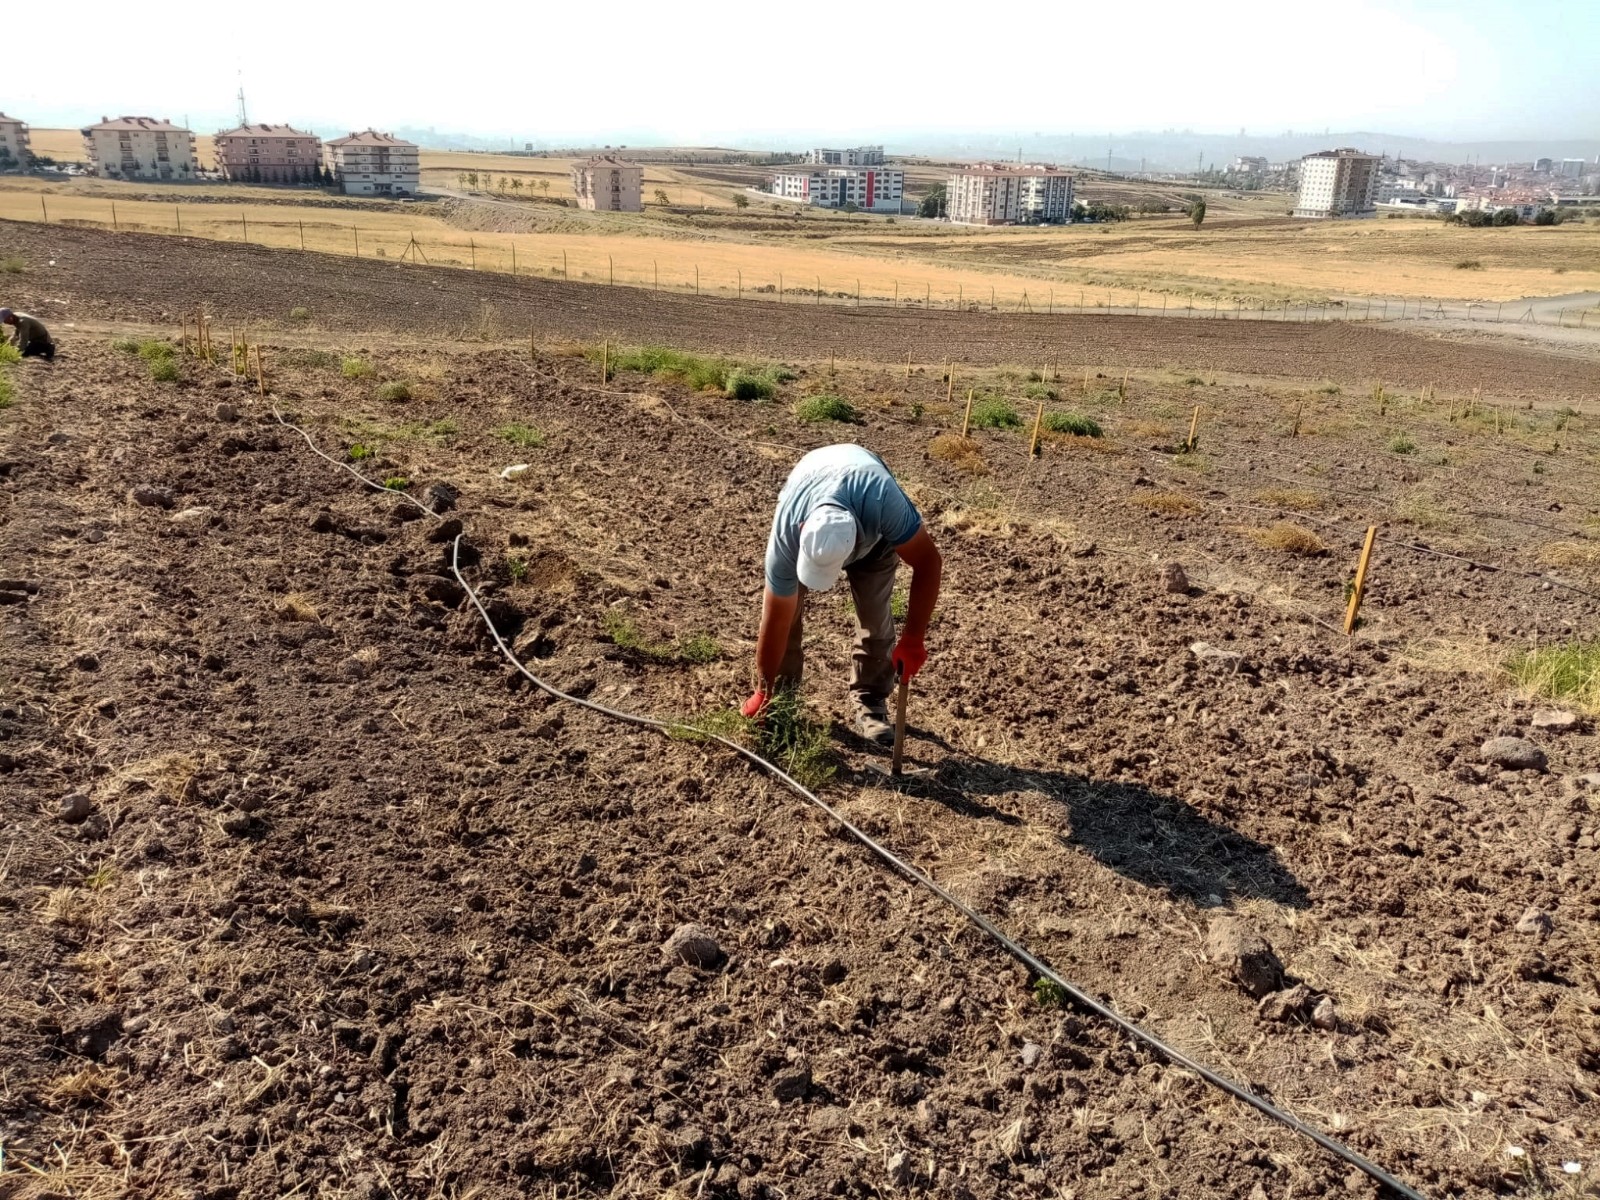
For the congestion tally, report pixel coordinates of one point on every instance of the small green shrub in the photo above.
(625, 634)
(1401, 443)
(1569, 672)
(153, 350)
(1049, 994)
(299, 313)
(9, 353)
(7, 390)
(358, 452)
(394, 390)
(1073, 423)
(747, 385)
(126, 345)
(698, 371)
(519, 434)
(795, 742)
(355, 368)
(397, 483)
(164, 370)
(12, 265)
(826, 408)
(517, 567)
(1040, 390)
(992, 412)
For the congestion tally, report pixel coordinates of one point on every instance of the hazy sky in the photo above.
(760, 72)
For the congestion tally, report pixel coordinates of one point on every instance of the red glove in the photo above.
(753, 707)
(909, 656)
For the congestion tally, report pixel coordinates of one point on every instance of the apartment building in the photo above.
(1009, 194)
(870, 189)
(373, 164)
(609, 184)
(856, 156)
(1249, 164)
(269, 154)
(1337, 183)
(13, 143)
(139, 148)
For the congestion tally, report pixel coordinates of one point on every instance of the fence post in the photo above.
(819, 291)
(1038, 421)
(43, 211)
(1194, 425)
(472, 245)
(513, 260)
(114, 224)
(1354, 606)
(966, 421)
(564, 275)
(177, 216)
(356, 233)
(245, 224)
(611, 272)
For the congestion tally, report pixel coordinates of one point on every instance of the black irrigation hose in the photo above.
(1010, 945)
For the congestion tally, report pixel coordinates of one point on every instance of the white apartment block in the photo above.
(607, 184)
(373, 164)
(870, 189)
(1571, 168)
(1337, 183)
(13, 143)
(1005, 194)
(1249, 164)
(139, 148)
(856, 156)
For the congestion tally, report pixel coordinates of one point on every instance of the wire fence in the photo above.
(546, 258)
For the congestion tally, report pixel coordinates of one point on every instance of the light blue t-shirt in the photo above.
(854, 479)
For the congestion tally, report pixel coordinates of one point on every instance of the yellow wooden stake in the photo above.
(261, 372)
(1194, 424)
(1038, 423)
(949, 383)
(966, 421)
(1354, 607)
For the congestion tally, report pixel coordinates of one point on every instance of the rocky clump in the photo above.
(1535, 922)
(1556, 720)
(1290, 1004)
(693, 945)
(1513, 754)
(1174, 580)
(1244, 956)
(147, 495)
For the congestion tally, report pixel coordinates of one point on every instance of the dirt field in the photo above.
(347, 910)
(87, 275)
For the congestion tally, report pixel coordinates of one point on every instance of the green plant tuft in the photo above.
(397, 483)
(299, 313)
(795, 742)
(1073, 423)
(1569, 672)
(1049, 994)
(747, 385)
(1401, 443)
(625, 634)
(519, 434)
(826, 408)
(164, 370)
(12, 265)
(517, 567)
(698, 371)
(992, 412)
(394, 390)
(358, 452)
(355, 368)
(9, 353)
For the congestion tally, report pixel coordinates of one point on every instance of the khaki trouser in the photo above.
(871, 674)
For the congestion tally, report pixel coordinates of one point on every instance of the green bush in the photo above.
(624, 633)
(358, 452)
(1401, 443)
(826, 408)
(698, 371)
(12, 265)
(747, 385)
(153, 350)
(163, 370)
(356, 368)
(126, 345)
(320, 359)
(397, 483)
(7, 391)
(519, 434)
(1569, 672)
(299, 313)
(395, 389)
(1073, 423)
(9, 353)
(1040, 391)
(992, 412)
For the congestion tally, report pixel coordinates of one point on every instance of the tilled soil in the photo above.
(76, 274)
(348, 909)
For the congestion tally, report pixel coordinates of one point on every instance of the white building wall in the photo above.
(141, 153)
(14, 140)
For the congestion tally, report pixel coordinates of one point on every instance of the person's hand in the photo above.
(755, 706)
(909, 656)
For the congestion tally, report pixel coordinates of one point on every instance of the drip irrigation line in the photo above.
(906, 870)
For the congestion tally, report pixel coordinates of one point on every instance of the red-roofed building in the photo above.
(373, 164)
(269, 154)
(139, 148)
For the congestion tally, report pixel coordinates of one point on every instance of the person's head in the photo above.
(826, 540)
(7, 317)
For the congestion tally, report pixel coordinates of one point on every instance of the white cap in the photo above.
(826, 540)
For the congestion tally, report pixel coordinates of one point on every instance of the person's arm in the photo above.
(927, 568)
(772, 640)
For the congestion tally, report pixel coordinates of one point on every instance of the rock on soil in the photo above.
(1245, 956)
(1535, 921)
(1556, 720)
(150, 496)
(226, 412)
(75, 808)
(1174, 579)
(694, 945)
(1291, 1004)
(792, 1084)
(1326, 1014)
(1514, 754)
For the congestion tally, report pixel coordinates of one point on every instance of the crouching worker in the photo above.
(30, 338)
(841, 510)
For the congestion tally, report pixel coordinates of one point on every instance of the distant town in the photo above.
(1333, 184)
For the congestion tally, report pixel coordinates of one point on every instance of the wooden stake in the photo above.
(1122, 392)
(1194, 424)
(1298, 413)
(261, 372)
(356, 233)
(966, 421)
(472, 246)
(1038, 423)
(1354, 606)
(513, 257)
(908, 364)
(949, 382)
(897, 760)
(302, 235)
(605, 361)
(1086, 381)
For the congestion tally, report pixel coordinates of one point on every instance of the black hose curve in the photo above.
(1010, 945)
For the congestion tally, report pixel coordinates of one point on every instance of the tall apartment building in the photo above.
(1249, 164)
(1571, 168)
(856, 156)
(13, 143)
(269, 154)
(1007, 194)
(373, 164)
(139, 148)
(1337, 183)
(871, 189)
(609, 184)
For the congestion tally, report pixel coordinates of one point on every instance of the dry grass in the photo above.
(1419, 507)
(1584, 556)
(1569, 672)
(1076, 441)
(1170, 504)
(1150, 429)
(91, 1084)
(1288, 538)
(962, 453)
(296, 606)
(1294, 499)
